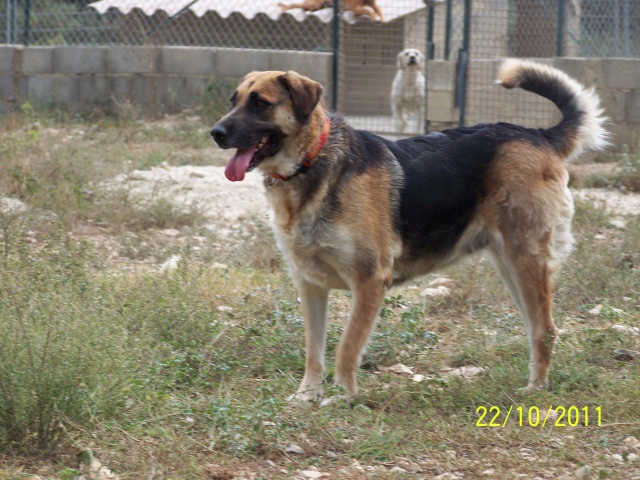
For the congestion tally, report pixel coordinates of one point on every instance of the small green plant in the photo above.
(628, 177)
(163, 213)
(122, 209)
(625, 176)
(68, 474)
(154, 159)
(26, 108)
(215, 101)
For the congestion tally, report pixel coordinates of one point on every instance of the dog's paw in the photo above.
(334, 399)
(534, 387)
(304, 396)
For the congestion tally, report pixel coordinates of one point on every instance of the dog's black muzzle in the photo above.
(233, 132)
(220, 134)
(240, 132)
(412, 60)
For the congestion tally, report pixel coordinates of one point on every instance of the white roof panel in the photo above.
(391, 9)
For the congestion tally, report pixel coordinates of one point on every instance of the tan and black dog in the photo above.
(355, 211)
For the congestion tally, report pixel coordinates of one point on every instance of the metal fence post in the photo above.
(616, 26)
(27, 19)
(560, 31)
(8, 31)
(336, 55)
(12, 22)
(463, 65)
(626, 51)
(431, 13)
(447, 31)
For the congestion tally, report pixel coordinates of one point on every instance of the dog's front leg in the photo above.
(314, 309)
(395, 114)
(420, 120)
(368, 295)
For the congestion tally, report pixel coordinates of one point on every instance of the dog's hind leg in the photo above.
(495, 257)
(527, 276)
(368, 296)
(378, 10)
(373, 5)
(359, 11)
(309, 6)
(315, 300)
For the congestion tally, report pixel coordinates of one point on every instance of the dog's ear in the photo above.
(304, 92)
(399, 62)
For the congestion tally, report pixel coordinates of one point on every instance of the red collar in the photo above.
(311, 154)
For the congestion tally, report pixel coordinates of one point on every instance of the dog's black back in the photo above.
(443, 180)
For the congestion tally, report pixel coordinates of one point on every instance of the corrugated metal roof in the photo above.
(391, 9)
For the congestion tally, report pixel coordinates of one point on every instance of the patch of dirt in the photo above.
(613, 201)
(228, 202)
(223, 203)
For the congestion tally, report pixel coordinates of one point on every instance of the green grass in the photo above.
(215, 99)
(62, 355)
(146, 370)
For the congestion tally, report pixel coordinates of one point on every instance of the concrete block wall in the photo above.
(172, 78)
(157, 78)
(441, 80)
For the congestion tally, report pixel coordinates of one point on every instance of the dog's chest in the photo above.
(408, 85)
(315, 248)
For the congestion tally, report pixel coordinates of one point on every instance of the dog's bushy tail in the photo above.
(581, 127)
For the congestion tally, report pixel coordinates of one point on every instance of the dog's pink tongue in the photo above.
(238, 164)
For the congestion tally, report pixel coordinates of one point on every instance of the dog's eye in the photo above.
(260, 104)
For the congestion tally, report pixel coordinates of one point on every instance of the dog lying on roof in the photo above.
(358, 7)
(357, 212)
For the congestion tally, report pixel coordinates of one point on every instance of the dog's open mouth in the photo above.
(246, 159)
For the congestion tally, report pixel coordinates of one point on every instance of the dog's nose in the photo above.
(219, 134)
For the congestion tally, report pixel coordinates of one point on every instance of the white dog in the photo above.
(407, 91)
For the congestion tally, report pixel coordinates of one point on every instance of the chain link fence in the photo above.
(510, 28)
(590, 28)
(609, 28)
(368, 46)
(541, 29)
(235, 23)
